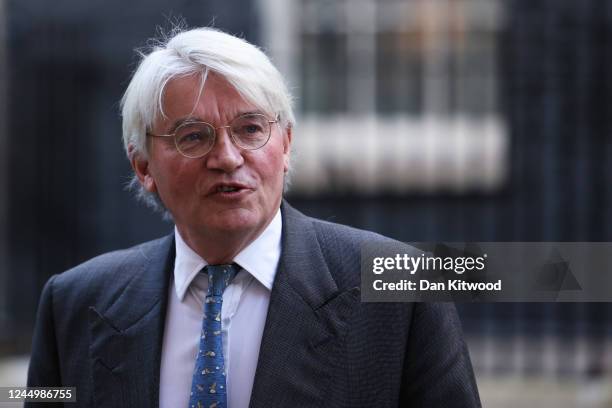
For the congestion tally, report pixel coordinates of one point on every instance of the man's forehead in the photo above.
(184, 99)
(188, 92)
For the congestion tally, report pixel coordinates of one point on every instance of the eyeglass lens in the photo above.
(248, 132)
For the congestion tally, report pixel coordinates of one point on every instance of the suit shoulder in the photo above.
(111, 265)
(347, 235)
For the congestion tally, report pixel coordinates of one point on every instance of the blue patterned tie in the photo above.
(208, 388)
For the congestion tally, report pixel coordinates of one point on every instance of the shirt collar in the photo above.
(259, 258)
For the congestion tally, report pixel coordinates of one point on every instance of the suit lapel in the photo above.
(302, 343)
(126, 336)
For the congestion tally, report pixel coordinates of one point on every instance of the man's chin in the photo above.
(234, 220)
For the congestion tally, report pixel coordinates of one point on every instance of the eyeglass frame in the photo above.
(228, 126)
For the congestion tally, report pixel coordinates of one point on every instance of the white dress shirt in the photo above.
(243, 315)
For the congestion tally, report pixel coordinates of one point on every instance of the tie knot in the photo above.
(219, 276)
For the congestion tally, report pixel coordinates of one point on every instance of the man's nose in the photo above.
(225, 155)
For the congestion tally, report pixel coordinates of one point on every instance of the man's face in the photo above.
(192, 189)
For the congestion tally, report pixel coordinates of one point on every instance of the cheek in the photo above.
(275, 168)
(173, 177)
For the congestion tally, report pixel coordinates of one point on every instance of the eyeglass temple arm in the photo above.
(153, 134)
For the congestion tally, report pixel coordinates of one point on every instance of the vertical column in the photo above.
(436, 17)
(360, 16)
(4, 193)
(361, 30)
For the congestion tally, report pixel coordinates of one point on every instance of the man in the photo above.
(208, 126)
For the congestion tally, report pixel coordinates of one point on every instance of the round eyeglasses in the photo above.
(195, 139)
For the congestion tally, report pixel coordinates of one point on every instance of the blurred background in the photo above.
(424, 120)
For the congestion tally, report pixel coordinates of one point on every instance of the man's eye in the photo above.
(252, 128)
(249, 129)
(191, 137)
(194, 136)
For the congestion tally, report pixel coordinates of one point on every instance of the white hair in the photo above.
(198, 52)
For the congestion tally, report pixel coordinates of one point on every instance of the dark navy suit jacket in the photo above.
(100, 328)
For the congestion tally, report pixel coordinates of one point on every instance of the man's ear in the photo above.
(287, 146)
(140, 164)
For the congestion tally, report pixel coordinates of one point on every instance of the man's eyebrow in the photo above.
(180, 121)
(189, 119)
(255, 112)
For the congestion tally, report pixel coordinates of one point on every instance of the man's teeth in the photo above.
(226, 189)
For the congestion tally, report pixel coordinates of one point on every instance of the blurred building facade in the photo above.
(395, 96)
(425, 120)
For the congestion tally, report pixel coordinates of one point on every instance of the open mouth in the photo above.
(227, 189)
(232, 190)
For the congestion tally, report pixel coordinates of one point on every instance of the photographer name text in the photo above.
(427, 285)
